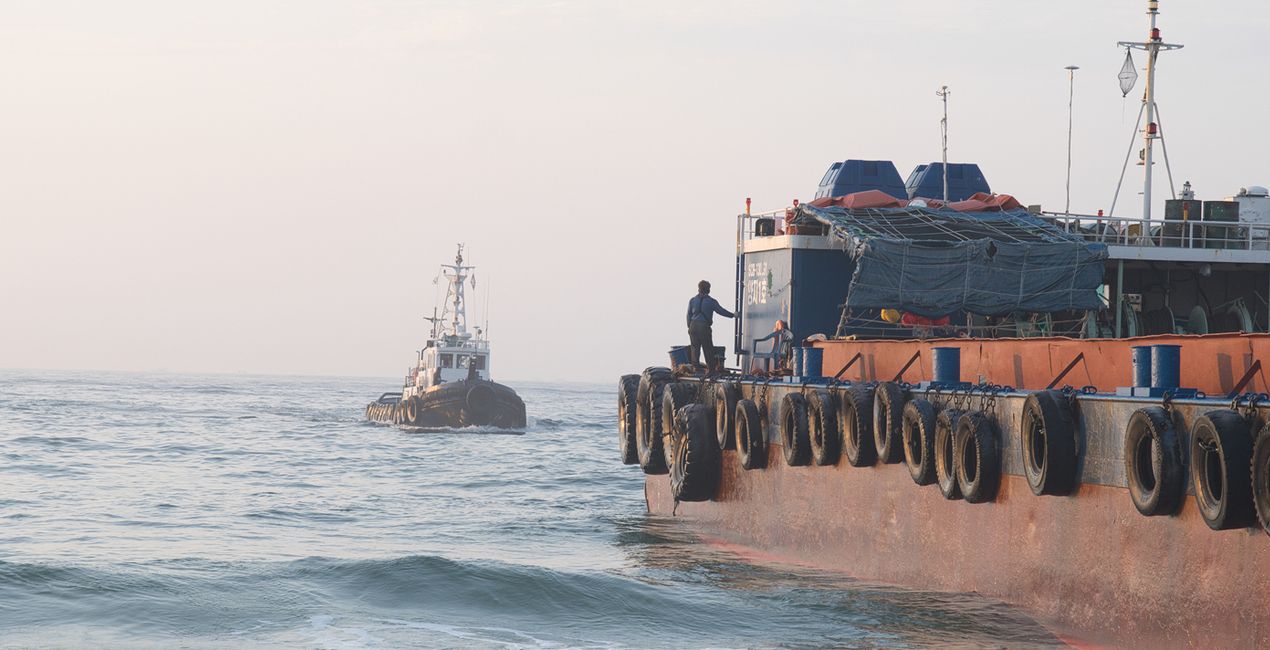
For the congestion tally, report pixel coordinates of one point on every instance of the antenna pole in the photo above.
(1071, 91)
(1152, 46)
(943, 128)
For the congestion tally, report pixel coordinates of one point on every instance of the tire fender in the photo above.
(1221, 458)
(977, 458)
(918, 437)
(1153, 464)
(751, 438)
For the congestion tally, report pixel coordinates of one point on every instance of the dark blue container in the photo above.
(680, 355)
(796, 362)
(851, 176)
(947, 363)
(813, 362)
(964, 180)
(1166, 366)
(1141, 366)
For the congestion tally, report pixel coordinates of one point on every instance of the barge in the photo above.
(449, 384)
(1068, 413)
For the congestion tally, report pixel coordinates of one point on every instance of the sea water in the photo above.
(163, 510)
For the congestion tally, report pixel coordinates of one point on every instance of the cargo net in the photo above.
(934, 263)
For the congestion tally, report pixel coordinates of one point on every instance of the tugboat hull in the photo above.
(468, 403)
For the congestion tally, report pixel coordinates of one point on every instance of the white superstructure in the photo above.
(452, 353)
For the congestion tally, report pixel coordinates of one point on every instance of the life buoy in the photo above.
(1261, 477)
(1048, 441)
(855, 425)
(627, 407)
(697, 466)
(1153, 464)
(888, 413)
(978, 461)
(675, 396)
(1221, 458)
(648, 419)
(945, 452)
(751, 439)
(794, 441)
(726, 395)
(918, 436)
(822, 427)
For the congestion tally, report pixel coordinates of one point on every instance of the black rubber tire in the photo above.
(794, 438)
(480, 405)
(1048, 440)
(1221, 456)
(698, 463)
(726, 395)
(627, 407)
(888, 413)
(918, 435)
(945, 453)
(648, 438)
(978, 460)
(751, 439)
(822, 427)
(675, 396)
(412, 410)
(1261, 477)
(1153, 465)
(855, 425)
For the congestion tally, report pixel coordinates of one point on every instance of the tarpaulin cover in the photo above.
(937, 262)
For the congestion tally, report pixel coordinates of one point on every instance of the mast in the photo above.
(454, 308)
(1152, 46)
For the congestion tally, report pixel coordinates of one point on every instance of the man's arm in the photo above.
(718, 309)
(688, 318)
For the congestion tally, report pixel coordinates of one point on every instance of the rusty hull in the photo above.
(1087, 564)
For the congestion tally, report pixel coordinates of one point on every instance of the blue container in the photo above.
(813, 362)
(680, 355)
(1166, 366)
(947, 362)
(1141, 366)
(796, 362)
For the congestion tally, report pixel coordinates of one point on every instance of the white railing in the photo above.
(1192, 233)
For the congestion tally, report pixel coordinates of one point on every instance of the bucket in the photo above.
(813, 361)
(680, 355)
(796, 362)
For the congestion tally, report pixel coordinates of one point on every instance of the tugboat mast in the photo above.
(1153, 46)
(455, 305)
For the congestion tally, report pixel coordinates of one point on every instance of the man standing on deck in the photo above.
(701, 311)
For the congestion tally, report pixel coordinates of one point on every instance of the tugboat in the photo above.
(449, 386)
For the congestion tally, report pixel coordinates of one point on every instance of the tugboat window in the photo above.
(447, 361)
(480, 362)
(463, 361)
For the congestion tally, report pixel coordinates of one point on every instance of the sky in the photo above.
(268, 186)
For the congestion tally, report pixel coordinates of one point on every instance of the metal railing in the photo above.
(1193, 233)
(1115, 231)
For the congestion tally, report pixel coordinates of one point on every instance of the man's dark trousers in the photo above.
(702, 339)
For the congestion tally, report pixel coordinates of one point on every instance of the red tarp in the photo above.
(980, 202)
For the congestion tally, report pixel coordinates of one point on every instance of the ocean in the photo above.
(166, 510)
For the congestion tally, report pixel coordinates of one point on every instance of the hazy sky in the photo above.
(267, 186)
